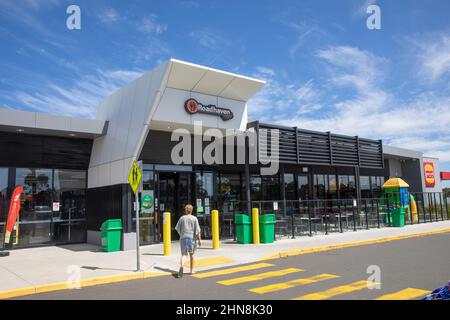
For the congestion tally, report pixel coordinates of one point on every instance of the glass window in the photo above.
(303, 187)
(256, 191)
(271, 187)
(3, 200)
(37, 193)
(70, 186)
(344, 187)
(289, 186)
(365, 187)
(148, 180)
(204, 184)
(36, 206)
(70, 192)
(377, 184)
(3, 192)
(332, 187)
(320, 186)
(351, 187)
(230, 187)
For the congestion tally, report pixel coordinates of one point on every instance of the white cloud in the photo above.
(354, 101)
(150, 25)
(210, 39)
(435, 57)
(275, 99)
(109, 15)
(305, 31)
(79, 99)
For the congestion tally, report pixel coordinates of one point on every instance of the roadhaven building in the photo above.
(75, 171)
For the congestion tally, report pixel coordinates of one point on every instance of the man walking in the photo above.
(189, 230)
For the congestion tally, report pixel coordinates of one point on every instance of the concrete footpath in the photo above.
(46, 269)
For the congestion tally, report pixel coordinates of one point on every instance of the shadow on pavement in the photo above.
(172, 272)
(99, 268)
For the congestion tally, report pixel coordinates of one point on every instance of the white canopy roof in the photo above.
(196, 78)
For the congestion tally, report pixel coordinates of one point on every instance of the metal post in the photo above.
(138, 260)
(340, 216)
(292, 224)
(424, 208)
(430, 205)
(354, 215)
(309, 218)
(247, 176)
(378, 214)
(388, 210)
(442, 208)
(367, 218)
(326, 216)
(446, 207)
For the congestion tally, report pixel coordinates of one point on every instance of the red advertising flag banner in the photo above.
(14, 209)
(430, 179)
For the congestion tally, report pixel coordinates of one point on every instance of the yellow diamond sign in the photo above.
(134, 177)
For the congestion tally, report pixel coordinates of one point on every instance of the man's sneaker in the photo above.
(180, 272)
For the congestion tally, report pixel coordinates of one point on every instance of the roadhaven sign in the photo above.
(192, 106)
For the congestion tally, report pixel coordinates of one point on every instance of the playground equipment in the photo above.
(396, 192)
(414, 212)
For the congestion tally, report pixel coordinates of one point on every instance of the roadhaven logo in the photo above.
(192, 106)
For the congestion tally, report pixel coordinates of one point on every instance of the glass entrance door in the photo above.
(174, 192)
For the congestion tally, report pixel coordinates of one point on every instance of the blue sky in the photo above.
(325, 69)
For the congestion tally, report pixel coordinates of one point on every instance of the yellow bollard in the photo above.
(255, 219)
(167, 233)
(215, 228)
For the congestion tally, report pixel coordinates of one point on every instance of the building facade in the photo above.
(75, 171)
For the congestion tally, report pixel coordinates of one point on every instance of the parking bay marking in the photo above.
(261, 276)
(293, 283)
(336, 291)
(405, 294)
(232, 270)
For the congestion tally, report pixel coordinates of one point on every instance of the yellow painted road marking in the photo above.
(210, 261)
(296, 252)
(83, 283)
(232, 270)
(406, 294)
(293, 283)
(329, 293)
(260, 276)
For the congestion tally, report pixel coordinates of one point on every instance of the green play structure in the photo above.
(397, 199)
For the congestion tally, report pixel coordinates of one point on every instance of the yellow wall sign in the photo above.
(134, 177)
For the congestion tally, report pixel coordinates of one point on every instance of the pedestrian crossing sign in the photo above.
(134, 177)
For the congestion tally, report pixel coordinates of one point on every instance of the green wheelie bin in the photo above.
(244, 230)
(111, 234)
(398, 217)
(267, 228)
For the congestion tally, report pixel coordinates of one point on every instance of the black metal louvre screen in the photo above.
(299, 146)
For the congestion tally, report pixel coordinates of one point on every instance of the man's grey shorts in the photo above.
(188, 245)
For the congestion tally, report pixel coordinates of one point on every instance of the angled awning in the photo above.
(191, 77)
